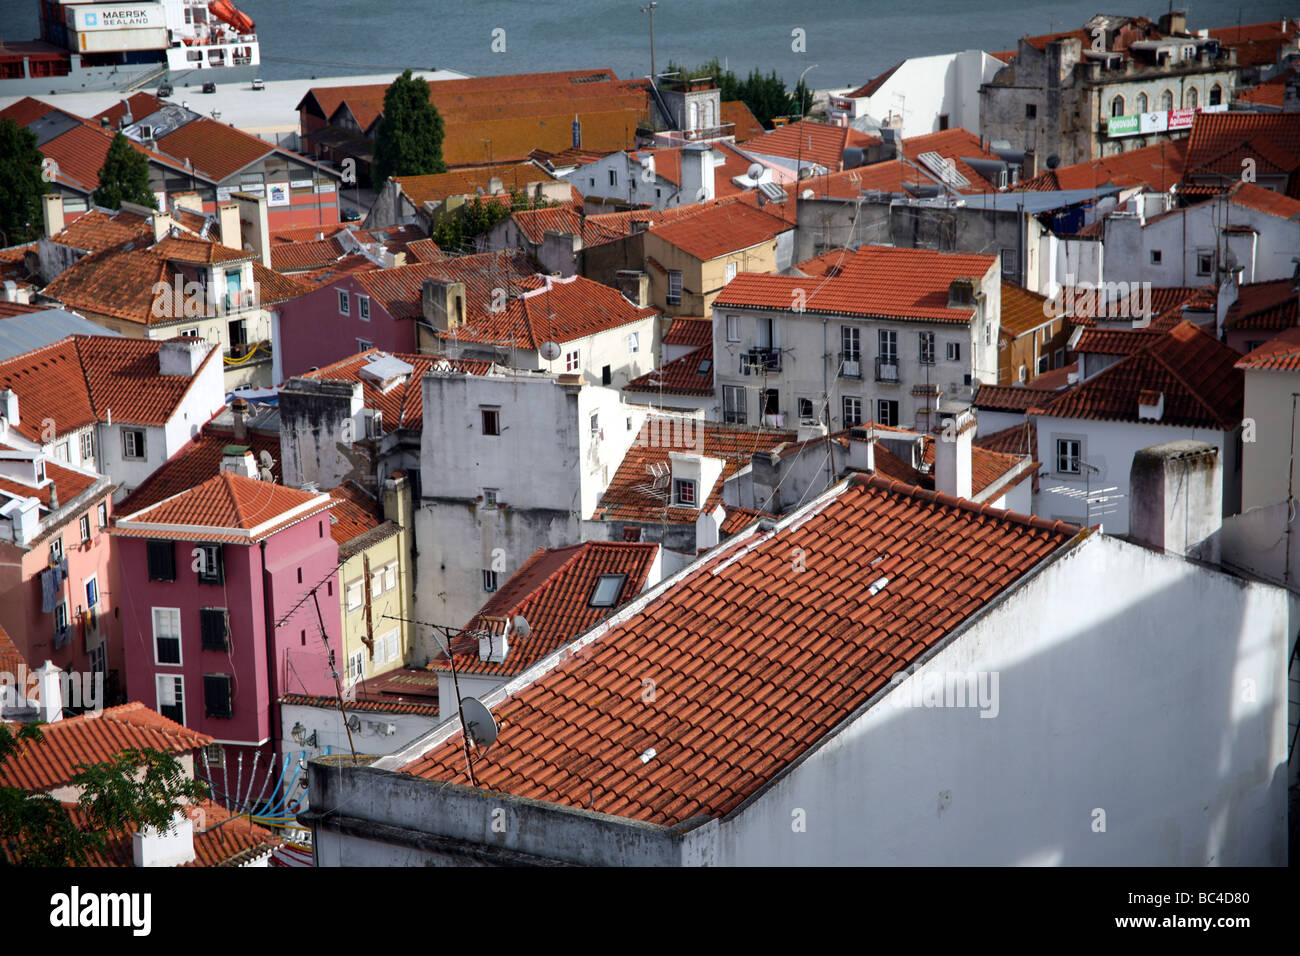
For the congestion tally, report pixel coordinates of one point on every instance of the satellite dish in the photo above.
(1053, 161)
(354, 723)
(755, 171)
(520, 625)
(266, 459)
(480, 726)
(549, 351)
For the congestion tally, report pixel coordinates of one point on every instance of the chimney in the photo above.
(495, 186)
(50, 683)
(443, 304)
(397, 500)
(126, 119)
(577, 132)
(238, 460)
(9, 406)
(961, 294)
(862, 447)
(634, 285)
(228, 226)
(52, 207)
(494, 648)
(238, 411)
(953, 436)
(181, 356)
(1151, 405)
(252, 210)
(162, 225)
(171, 847)
(1173, 23)
(1176, 499)
(697, 173)
(54, 497)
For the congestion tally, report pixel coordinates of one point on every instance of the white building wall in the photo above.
(1265, 461)
(1136, 691)
(331, 736)
(923, 88)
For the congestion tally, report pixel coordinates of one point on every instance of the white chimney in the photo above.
(953, 436)
(697, 173)
(181, 356)
(50, 681)
(1151, 405)
(493, 649)
(239, 460)
(229, 227)
(9, 406)
(171, 847)
(52, 207)
(1176, 499)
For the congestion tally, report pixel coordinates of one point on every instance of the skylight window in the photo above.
(705, 365)
(607, 590)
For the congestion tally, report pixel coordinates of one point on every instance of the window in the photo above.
(162, 560)
(166, 635)
(1068, 454)
(490, 497)
(675, 288)
(988, 332)
(1117, 106)
(607, 590)
(1008, 262)
(363, 308)
(364, 345)
(84, 524)
(377, 582)
(491, 420)
(927, 348)
(1031, 111)
(1058, 358)
(171, 697)
(613, 177)
(633, 342)
(216, 695)
(887, 411)
(851, 343)
(489, 580)
(1141, 102)
(733, 404)
(1044, 363)
(1216, 95)
(571, 361)
(390, 577)
(191, 333)
(103, 515)
(133, 443)
(606, 375)
(87, 446)
(344, 308)
(770, 402)
(852, 411)
(211, 567)
(684, 492)
(40, 469)
(354, 595)
(731, 271)
(953, 350)
(60, 618)
(238, 332)
(214, 755)
(1167, 100)
(805, 409)
(943, 121)
(61, 451)
(214, 628)
(1156, 256)
(733, 328)
(1190, 97)
(1204, 263)
(92, 591)
(888, 340)
(593, 426)
(356, 667)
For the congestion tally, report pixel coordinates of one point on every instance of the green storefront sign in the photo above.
(1123, 125)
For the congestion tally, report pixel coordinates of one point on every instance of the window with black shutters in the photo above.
(214, 628)
(162, 561)
(216, 695)
(211, 568)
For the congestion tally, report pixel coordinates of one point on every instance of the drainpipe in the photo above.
(269, 624)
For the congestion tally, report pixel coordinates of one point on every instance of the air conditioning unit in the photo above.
(853, 369)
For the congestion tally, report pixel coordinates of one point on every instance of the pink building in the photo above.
(214, 616)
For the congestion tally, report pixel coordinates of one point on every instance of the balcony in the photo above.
(851, 365)
(761, 360)
(887, 370)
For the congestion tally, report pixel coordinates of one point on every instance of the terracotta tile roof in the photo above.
(1115, 341)
(303, 256)
(738, 519)
(10, 657)
(721, 230)
(689, 331)
(1022, 310)
(1279, 354)
(810, 142)
(226, 507)
(78, 380)
(1258, 44)
(68, 482)
(552, 590)
(402, 405)
(1264, 200)
(956, 145)
(117, 284)
(141, 105)
(891, 176)
(745, 123)
(630, 496)
(198, 251)
(1159, 167)
(28, 110)
(989, 467)
(829, 263)
(875, 281)
(9, 309)
(371, 705)
(423, 250)
(871, 86)
(686, 375)
(512, 138)
(273, 288)
(1220, 141)
(752, 666)
(1019, 439)
(1193, 370)
(1011, 398)
(355, 512)
(88, 739)
(1272, 93)
(465, 182)
(196, 463)
(1264, 305)
(214, 148)
(553, 310)
(398, 289)
(348, 265)
(99, 229)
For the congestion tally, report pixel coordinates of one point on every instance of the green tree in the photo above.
(21, 184)
(766, 96)
(124, 177)
(477, 217)
(137, 788)
(408, 141)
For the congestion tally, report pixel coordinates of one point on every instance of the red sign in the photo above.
(1181, 119)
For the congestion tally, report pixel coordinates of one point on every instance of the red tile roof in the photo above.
(1193, 370)
(553, 310)
(1115, 341)
(78, 380)
(28, 110)
(552, 591)
(875, 281)
(196, 463)
(423, 250)
(1022, 311)
(630, 496)
(871, 86)
(956, 145)
(398, 290)
(198, 251)
(302, 256)
(140, 104)
(226, 507)
(67, 482)
(355, 512)
(1264, 305)
(1264, 200)
(1159, 167)
(466, 182)
(721, 230)
(686, 375)
(1220, 141)
(1011, 398)
(11, 659)
(1019, 439)
(809, 142)
(745, 123)
(98, 230)
(1279, 354)
(381, 704)
(752, 666)
(1259, 44)
(214, 148)
(94, 738)
(690, 332)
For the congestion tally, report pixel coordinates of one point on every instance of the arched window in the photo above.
(1167, 100)
(1189, 97)
(1117, 106)
(1142, 103)
(693, 116)
(1216, 95)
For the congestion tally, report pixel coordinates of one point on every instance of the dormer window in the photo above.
(607, 590)
(684, 492)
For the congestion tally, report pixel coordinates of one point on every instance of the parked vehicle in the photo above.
(259, 83)
(209, 87)
(164, 91)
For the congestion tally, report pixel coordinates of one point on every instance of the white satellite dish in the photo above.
(480, 726)
(755, 171)
(550, 351)
(520, 625)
